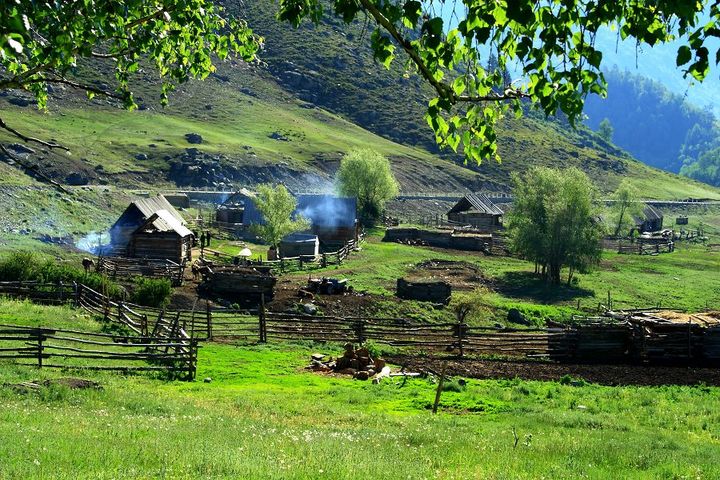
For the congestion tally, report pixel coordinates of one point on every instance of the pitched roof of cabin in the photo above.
(477, 202)
(164, 221)
(148, 206)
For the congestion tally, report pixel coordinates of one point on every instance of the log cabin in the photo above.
(162, 236)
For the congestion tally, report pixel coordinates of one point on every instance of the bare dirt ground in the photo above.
(461, 275)
(527, 370)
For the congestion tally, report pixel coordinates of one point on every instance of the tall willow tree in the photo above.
(553, 221)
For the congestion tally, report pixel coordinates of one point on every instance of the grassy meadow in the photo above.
(263, 416)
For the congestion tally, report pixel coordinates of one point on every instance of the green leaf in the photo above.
(683, 56)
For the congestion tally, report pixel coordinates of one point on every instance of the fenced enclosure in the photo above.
(125, 267)
(61, 348)
(587, 340)
(40, 292)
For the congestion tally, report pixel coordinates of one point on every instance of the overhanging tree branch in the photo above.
(27, 139)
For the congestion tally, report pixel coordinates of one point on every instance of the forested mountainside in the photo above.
(316, 94)
(658, 127)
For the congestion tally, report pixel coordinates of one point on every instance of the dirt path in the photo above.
(602, 374)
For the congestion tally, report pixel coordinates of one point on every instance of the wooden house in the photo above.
(232, 210)
(135, 216)
(651, 220)
(162, 236)
(476, 210)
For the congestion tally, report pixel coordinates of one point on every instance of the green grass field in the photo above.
(262, 416)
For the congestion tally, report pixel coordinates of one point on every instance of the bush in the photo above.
(27, 266)
(151, 292)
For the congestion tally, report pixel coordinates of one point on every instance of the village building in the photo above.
(478, 211)
(162, 236)
(232, 210)
(651, 220)
(300, 245)
(332, 219)
(136, 216)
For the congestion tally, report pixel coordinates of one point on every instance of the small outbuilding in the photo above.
(300, 245)
(135, 216)
(162, 236)
(651, 221)
(476, 210)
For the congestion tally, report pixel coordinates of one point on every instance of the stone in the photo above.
(194, 138)
(77, 178)
(141, 156)
(207, 379)
(19, 101)
(309, 308)
(515, 316)
(20, 148)
(279, 137)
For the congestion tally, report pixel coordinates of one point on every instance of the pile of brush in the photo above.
(355, 362)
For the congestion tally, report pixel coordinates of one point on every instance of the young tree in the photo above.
(625, 207)
(552, 221)
(366, 175)
(605, 130)
(277, 206)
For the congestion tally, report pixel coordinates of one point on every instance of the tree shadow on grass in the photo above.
(529, 285)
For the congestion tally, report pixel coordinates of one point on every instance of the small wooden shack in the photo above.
(232, 210)
(300, 244)
(134, 216)
(651, 220)
(162, 236)
(476, 210)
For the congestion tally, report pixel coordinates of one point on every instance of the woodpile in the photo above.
(240, 283)
(435, 292)
(354, 362)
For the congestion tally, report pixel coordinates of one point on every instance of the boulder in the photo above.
(77, 178)
(309, 308)
(194, 138)
(141, 156)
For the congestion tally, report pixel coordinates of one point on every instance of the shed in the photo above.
(477, 210)
(232, 210)
(135, 215)
(651, 221)
(162, 236)
(299, 244)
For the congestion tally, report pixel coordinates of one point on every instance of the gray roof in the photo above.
(477, 202)
(650, 214)
(148, 206)
(164, 221)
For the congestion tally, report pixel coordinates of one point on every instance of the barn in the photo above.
(135, 216)
(476, 210)
(651, 220)
(162, 236)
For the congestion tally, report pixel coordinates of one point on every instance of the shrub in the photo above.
(151, 292)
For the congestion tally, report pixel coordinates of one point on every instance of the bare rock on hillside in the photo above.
(194, 138)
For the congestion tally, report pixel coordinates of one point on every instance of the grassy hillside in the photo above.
(318, 94)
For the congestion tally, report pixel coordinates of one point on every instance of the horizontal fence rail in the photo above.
(60, 348)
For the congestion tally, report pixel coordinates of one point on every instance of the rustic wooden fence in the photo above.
(40, 292)
(593, 341)
(125, 267)
(289, 264)
(646, 249)
(61, 348)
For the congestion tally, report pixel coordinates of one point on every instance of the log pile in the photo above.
(355, 362)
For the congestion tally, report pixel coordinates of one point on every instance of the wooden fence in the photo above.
(115, 267)
(646, 249)
(289, 264)
(591, 340)
(60, 348)
(39, 292)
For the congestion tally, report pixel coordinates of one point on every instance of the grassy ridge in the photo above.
(263, 417)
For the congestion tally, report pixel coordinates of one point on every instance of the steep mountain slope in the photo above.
(290, 119)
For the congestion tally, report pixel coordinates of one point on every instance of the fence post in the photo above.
(324, 260)
(261, 319)
(60, 291)
(461, 337)
(76, 288)
(208, 315)
(40, 348)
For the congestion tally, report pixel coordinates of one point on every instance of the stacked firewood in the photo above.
(355, 362)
